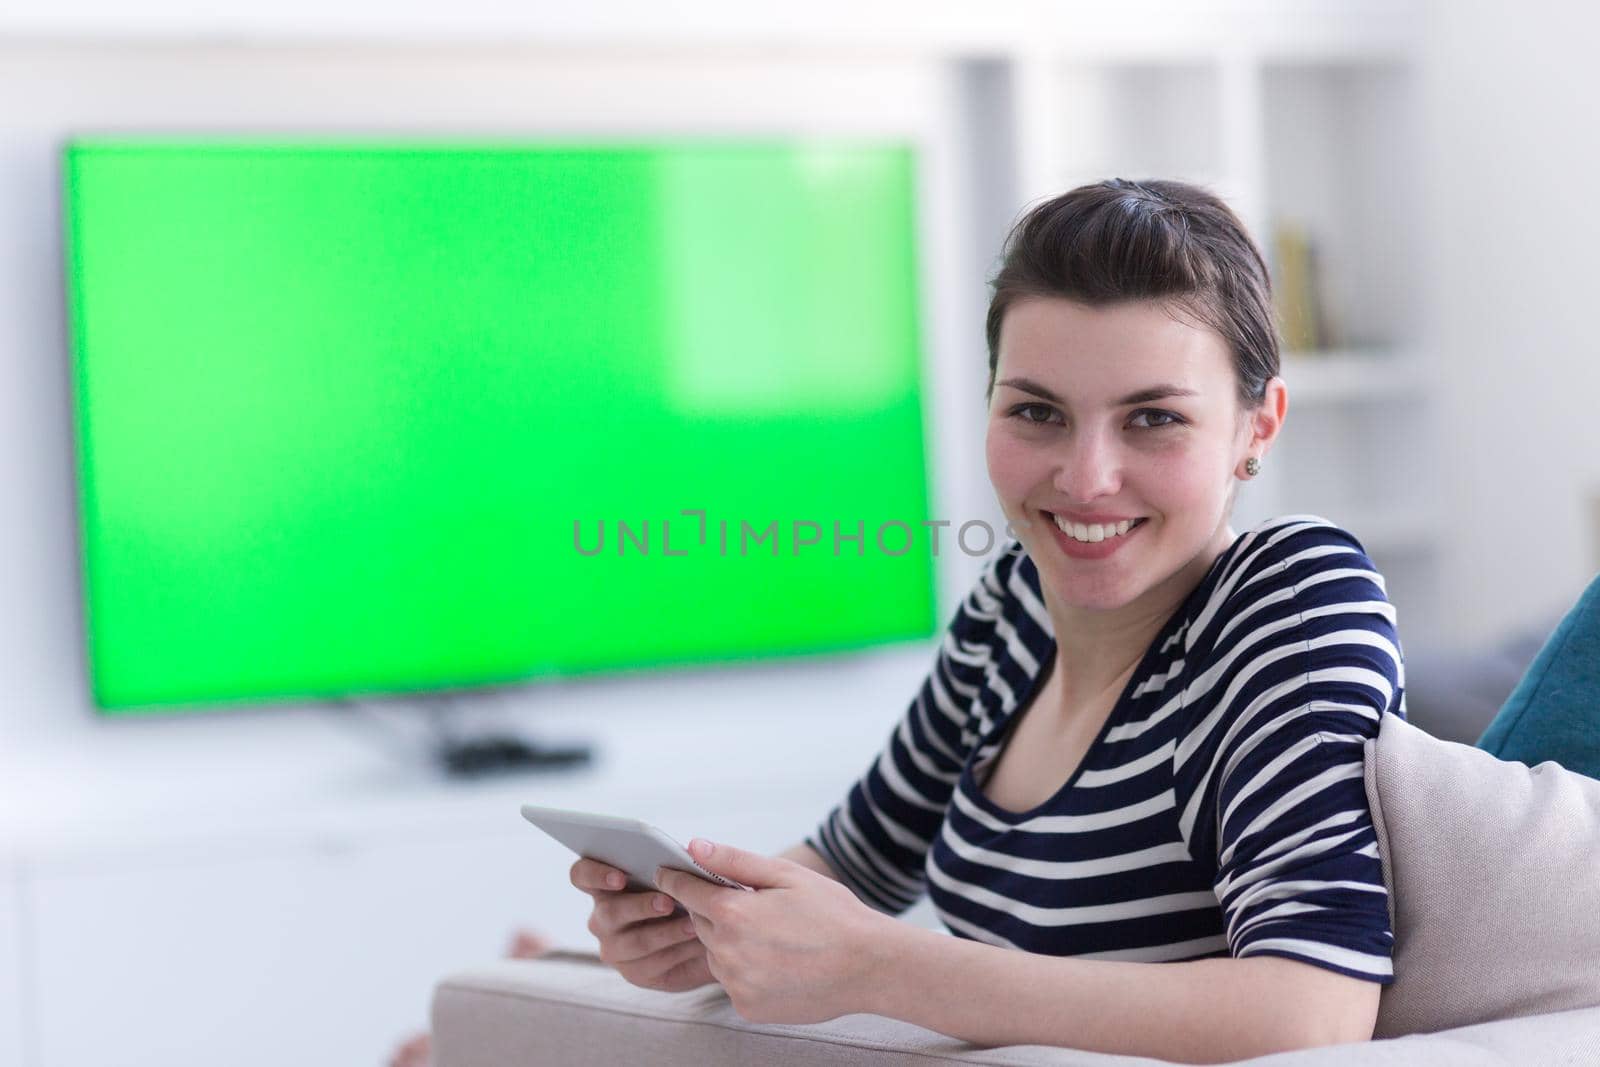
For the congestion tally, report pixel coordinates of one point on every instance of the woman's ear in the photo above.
(1267, 418)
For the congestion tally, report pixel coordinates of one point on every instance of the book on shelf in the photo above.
(1298, 290)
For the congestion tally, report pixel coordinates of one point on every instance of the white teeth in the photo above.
(1095, 532)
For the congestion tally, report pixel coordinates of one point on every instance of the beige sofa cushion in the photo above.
(575, 1011)
(1493, 871)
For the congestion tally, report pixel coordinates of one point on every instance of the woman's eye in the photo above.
(1038, 414)
(1169, 419)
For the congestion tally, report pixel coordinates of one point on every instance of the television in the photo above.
(363, 417)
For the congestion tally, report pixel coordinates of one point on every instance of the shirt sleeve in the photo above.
(878, 837)
(1268, 776)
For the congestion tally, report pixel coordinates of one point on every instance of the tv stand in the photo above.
(476, 757)
(450, 732)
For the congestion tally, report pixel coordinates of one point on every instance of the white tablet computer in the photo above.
(630, 845)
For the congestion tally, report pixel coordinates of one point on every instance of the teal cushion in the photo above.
(1554, 712)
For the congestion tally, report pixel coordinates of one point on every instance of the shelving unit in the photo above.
(1321, 139)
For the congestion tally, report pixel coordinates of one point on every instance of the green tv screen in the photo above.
(363, 418)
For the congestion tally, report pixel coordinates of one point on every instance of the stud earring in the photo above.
(1252, 466)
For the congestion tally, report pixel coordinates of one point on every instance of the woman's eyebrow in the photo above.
(1143, 396)
(1156, 392)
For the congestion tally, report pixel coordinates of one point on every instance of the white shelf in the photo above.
(1341, 375)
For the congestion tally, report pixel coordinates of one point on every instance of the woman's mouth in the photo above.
(1091, 540)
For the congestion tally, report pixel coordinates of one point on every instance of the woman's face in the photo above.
(1077, 433)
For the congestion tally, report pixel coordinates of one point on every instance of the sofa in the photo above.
(1489, 853)
(573, 1010)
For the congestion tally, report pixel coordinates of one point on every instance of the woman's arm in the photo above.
(803, 948)
(1202, 1011)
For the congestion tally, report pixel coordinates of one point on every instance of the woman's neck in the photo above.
(1096, 651)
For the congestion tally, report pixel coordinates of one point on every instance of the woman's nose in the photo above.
(1089, 469)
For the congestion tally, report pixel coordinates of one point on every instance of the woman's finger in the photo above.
(645, 939)
(592, 876)
(692, 973)
(614, 912)
(624, 908)
(650, 970)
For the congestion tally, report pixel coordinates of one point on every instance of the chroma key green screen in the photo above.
(347, 412)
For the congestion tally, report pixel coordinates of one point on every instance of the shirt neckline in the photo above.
(969, 781)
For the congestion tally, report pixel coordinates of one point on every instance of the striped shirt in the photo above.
(1220, 811)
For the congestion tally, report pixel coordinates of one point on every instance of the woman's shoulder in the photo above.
(1287, 567)
(1298, 633)
(1291, 547)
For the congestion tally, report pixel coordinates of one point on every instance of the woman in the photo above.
(1141, 741)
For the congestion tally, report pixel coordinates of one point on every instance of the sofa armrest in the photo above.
(570, 1008)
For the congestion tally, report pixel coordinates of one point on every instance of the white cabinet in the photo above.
(297, 899)
(318, 951)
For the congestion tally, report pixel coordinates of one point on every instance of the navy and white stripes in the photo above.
(1221, 810)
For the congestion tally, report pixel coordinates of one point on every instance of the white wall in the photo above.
(1514, 164)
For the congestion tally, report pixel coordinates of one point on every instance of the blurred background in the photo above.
(259, 864)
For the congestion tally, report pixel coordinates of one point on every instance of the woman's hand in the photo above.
(641, 935)
(800, 949)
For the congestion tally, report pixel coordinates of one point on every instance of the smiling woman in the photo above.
(1141, 739)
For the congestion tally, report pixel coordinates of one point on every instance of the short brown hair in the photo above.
(1121, 240)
